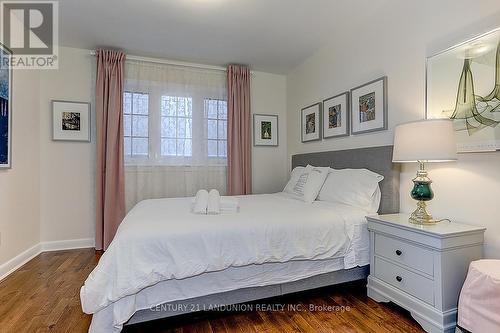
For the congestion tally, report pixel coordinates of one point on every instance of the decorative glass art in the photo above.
(463, 84)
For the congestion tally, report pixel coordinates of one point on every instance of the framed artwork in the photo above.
(5, 108)
(336, 116)
(265, 130)
(70, 121)
(311, 123)
(369, 107)
(463, 84)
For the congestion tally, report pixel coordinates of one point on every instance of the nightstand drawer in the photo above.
(405, 280)
(410, 255)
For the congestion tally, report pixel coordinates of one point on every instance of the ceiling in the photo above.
(269, 35)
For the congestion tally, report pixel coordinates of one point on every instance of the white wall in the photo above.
(20, 186)
(67, 169)
(48, 195)
(269, 164)
(395, 42)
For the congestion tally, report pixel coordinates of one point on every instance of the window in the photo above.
(169, 132)
(136, 124)
(175, 116)
(176, 126)
(216, 115)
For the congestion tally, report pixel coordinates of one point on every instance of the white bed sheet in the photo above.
(163, 253)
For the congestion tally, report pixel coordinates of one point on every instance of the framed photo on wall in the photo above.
(70, 121)
(369, 107)
(5, 108)
(311, 123)
(265, 130)
(336, 116)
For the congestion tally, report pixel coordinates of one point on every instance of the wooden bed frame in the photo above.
(377, 159)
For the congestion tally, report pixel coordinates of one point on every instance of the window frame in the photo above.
(176, 138)
(217, 120)
(131, 158)
(154, 158)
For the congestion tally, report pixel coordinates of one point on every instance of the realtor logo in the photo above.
(30, 31)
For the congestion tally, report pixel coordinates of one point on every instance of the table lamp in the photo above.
(424, 141)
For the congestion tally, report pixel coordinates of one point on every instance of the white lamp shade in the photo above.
(430, 140)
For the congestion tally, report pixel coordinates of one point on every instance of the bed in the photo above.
(166, 261)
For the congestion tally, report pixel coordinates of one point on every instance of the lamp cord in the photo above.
(443, 220)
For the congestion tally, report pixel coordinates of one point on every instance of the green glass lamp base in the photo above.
(422, 192)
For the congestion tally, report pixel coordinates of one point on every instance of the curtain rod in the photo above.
(172, 62)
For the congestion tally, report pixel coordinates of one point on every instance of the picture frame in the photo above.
(6, 77)
(462, 84)
(265, 130)
(336, 116)
(310, 123)
(70, 121)
(368, 104)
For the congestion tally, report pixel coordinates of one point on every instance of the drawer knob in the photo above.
(398, 252)
(399, 278)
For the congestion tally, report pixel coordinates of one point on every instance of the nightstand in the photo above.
(421, 268)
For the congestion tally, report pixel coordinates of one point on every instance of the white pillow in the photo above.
(307, 183)
(294, 176)
(375, 201)
(354, 187)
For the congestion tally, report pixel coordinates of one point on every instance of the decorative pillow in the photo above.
(307, 183)
(300, 182)
(300, 185)
(354, 187)
(294, 176)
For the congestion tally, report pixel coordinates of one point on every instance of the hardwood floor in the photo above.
(43, 296)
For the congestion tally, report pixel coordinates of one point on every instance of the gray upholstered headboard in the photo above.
(376, 159)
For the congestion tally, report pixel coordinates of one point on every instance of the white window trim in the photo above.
(132, 157)
(154, 129)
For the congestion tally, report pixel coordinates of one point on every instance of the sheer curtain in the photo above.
(175, 131)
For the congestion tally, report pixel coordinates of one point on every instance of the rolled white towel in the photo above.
(229, 205)
(213, 202)
(201, 202)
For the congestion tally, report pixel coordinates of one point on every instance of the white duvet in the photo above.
(160, 240)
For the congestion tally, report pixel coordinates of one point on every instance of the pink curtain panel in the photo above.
(239, 172)
(110, 174)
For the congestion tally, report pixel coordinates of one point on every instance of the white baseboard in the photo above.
(67, 244)
(15, 263)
